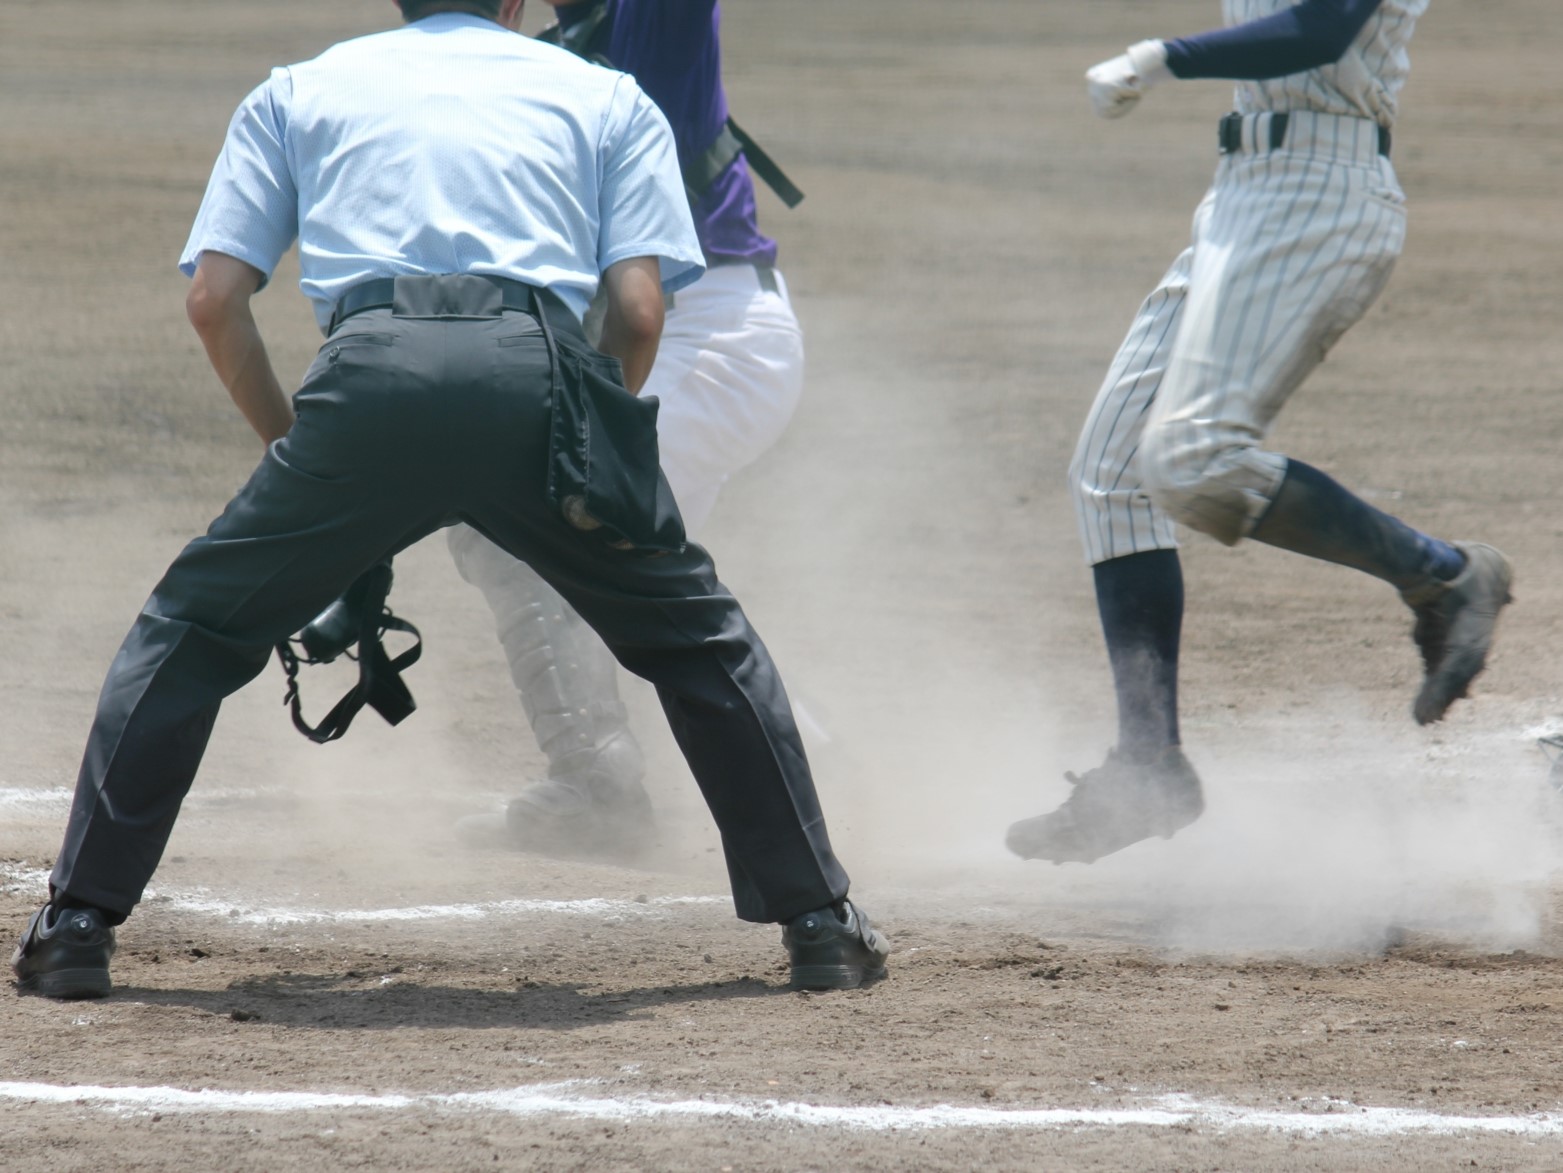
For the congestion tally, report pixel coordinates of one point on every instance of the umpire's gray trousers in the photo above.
(406, 425)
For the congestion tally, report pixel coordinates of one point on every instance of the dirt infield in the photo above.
(1354, 958)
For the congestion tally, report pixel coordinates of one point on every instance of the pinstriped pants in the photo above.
(1289, 248)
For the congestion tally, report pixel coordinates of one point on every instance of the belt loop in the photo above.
(767, 276)
(1229, 134)
(540, 311)
(1278, 123)
(555, 378)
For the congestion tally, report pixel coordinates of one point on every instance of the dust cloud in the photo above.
(944, 682)
(907, 551)
(1331, 830)
(1326, 834)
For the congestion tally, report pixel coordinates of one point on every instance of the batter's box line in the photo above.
(596, 907)
(570, 1099)
(16, 878)
(57, 799)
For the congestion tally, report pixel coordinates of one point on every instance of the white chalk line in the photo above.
(591, 906)
(19, 798)
(14, 878)
(570, 1098)
(52, 800)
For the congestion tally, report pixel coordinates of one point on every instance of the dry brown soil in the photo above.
(1365, 919)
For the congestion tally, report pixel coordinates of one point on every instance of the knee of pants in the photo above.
(1214, 485)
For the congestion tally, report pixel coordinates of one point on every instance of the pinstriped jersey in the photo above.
(1365, 82)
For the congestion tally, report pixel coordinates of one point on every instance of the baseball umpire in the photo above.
(1292, 244)
(456, 191)
(728, 376)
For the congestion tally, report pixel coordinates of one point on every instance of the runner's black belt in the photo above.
(473, 295)
(1229, 133)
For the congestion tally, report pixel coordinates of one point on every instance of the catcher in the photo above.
(728, 376)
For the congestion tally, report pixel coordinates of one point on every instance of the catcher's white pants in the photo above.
(729, 373)
(1290, 247)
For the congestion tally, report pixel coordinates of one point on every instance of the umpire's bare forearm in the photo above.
(632, 326)
(219, 308)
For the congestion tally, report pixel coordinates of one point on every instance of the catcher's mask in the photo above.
(360, 617)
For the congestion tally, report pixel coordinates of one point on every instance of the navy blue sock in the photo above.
(1140, 601)
(1316, 516)
(1444, 561)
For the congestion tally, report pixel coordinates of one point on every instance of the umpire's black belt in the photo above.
(454, 295)
(1229, 131)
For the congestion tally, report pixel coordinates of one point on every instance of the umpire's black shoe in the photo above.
(834, 948)
(65, 953)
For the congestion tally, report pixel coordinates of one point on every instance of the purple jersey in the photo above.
(673, 49)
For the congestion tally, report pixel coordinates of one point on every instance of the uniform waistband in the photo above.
(766, 278)
(1304, 132)
(453, 295)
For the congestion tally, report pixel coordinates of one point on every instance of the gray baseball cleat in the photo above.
(1119, 803)
(1455, 621)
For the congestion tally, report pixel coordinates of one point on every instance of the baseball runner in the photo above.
(457, 193)
(728, 376)
(1293, 242)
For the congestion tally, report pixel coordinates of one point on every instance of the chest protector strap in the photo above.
(707, 167)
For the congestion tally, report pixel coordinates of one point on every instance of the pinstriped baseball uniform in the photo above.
(1293, 242)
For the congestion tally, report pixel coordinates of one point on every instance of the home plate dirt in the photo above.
(1353, 959)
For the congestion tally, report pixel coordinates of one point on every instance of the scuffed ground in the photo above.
(1365, 919)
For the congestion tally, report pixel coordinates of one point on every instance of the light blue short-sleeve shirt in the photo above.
(450, 145)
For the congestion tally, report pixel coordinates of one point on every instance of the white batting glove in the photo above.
(1116, 86)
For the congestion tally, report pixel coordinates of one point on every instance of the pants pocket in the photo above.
(604, 473)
